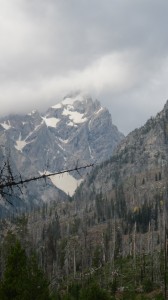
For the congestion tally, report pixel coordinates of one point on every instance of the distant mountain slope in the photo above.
(137, 172)
(78, 130)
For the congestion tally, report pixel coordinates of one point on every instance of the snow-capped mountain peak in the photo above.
(76, 129)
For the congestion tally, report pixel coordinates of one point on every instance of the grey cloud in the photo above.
(116, 50)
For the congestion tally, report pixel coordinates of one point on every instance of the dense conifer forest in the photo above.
(99, 253)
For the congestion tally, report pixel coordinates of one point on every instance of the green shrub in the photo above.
(93, 292)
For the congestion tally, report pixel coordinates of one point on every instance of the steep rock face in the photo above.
(137, 169)
(78, 130)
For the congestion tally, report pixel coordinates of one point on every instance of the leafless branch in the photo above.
(10, 181)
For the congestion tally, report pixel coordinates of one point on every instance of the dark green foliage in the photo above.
(16, 270)
(159, 297)
(93, 292)
(61, 250)
(118, 247)
(100, 205)
(52, 236)
(22, 278)
(120, 205)
(68, 297)
(143, 181)
(74, 290)
(114, 286)
(75, 226)
(97, 256)
(142, 217)
(38, 285)
(55, 297)
(147, 285)
(9, 242)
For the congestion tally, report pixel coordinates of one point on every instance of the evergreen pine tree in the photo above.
(22, 277)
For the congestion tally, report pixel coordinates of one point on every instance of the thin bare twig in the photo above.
(12, 182)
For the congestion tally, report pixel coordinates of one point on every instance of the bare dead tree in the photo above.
(8, 180)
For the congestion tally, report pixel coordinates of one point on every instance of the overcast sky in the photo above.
(114, 50)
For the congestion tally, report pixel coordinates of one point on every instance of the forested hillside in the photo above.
(79, 252)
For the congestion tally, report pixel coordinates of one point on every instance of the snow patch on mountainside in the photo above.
(6, 125)
(65, 182)
(20, 145)
(51, 122)
(64, 141)
(74, 116)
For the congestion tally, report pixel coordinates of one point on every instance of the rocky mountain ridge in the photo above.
(138, 167)
(75, 131)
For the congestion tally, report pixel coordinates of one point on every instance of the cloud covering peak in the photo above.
(116, 51)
